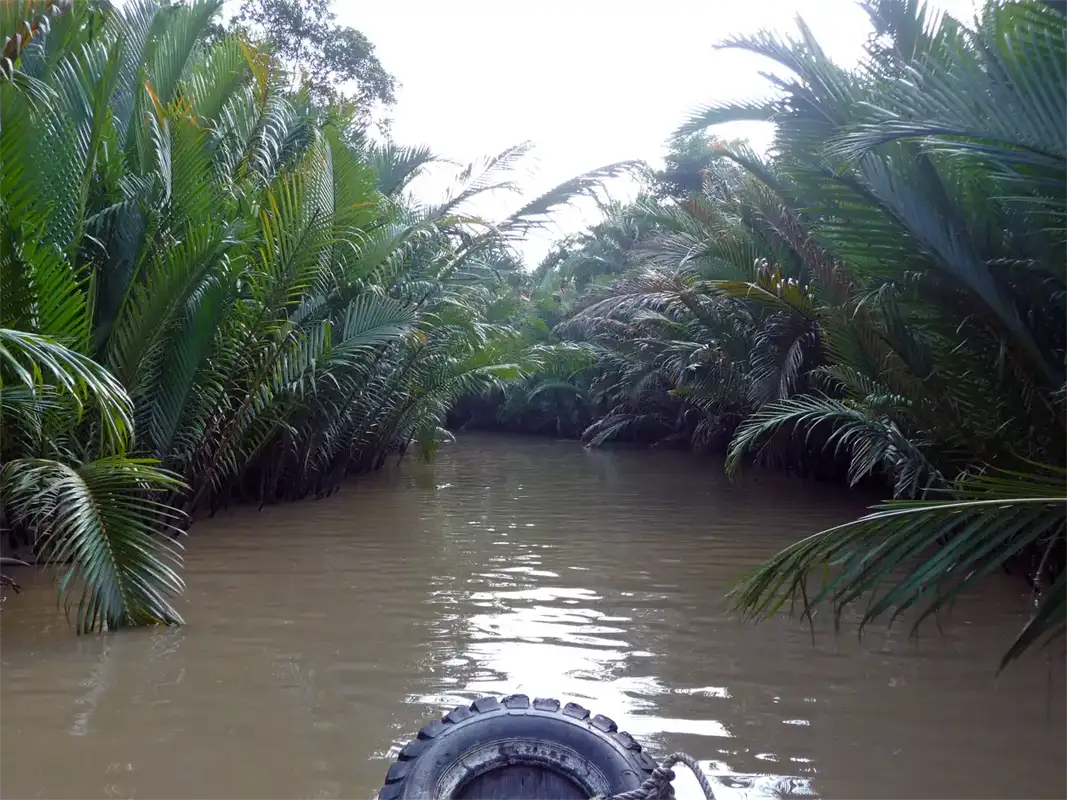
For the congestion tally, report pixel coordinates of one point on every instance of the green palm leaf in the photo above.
(396, 165)
(925, 554)
(100, 517)
(872, 443)
(38, 362)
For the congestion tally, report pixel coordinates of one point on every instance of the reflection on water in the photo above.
(321, 636)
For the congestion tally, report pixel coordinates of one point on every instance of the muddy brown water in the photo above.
(321, 635)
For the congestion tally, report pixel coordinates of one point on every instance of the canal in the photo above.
(321, 635)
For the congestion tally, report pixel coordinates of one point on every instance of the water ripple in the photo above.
(322, 635)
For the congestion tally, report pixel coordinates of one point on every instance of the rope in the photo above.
(658, 785)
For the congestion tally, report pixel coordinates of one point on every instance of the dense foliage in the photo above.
(215, 287)
(882, 298)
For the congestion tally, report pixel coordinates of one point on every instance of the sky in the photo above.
(591, 82)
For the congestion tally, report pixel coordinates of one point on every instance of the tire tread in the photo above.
(394, 778)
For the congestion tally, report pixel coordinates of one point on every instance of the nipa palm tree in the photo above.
(272, 312)
(887, 291)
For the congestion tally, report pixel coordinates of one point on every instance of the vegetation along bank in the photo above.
(217, 286)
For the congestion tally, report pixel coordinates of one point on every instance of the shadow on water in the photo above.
(321, 635)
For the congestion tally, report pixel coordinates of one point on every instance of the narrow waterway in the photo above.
(321, 635)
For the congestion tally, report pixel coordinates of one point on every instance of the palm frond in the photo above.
(924, 554)
(534, 213)
(100, 517)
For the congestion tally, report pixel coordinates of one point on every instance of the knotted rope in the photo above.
(658, 785)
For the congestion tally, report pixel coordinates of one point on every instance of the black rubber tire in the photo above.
(518, 749)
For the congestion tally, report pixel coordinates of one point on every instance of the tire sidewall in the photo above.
(490, 740)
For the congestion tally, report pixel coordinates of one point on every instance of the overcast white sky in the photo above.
(590, 81)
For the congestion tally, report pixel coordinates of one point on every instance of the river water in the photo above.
(321, 635)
